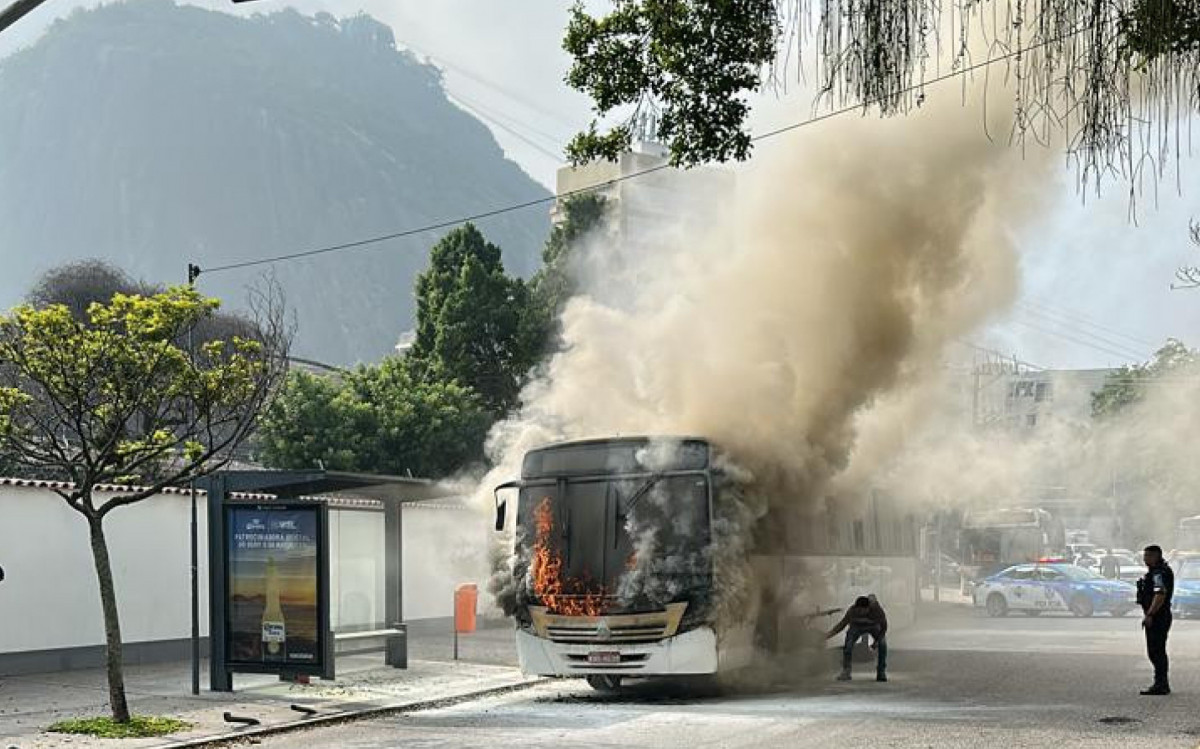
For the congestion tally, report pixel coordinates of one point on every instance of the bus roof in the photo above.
(1005, 518)
(614, 455)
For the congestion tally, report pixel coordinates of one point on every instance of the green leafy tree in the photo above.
(691, 65)
(379, 419)
(1127, 385)
(469, 320)
(554, 283)
(427, 428)
(117, 398)
(317, 420)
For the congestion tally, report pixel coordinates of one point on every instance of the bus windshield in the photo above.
(634, 539)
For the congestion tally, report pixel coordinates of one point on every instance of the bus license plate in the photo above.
(604, 658)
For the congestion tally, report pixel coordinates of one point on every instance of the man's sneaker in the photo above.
(881, 676)
(1156, 691)
(844, 676)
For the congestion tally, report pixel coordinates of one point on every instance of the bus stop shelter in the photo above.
(267, 488)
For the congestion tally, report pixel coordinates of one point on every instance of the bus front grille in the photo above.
(618, 629)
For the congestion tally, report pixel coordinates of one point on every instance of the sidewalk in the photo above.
(28, 704)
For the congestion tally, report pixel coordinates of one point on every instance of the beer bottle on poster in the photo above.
(274, 629)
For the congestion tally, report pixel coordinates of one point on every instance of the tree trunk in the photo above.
(112, 623)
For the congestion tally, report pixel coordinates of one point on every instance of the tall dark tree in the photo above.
(80, 284)
(469, 320)
(555, 283)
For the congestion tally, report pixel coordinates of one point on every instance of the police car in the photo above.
(1034, 588)
(1185, 603)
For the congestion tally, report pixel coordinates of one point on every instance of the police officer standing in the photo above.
(1154, 593)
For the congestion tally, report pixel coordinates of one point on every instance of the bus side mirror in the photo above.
(502, 504)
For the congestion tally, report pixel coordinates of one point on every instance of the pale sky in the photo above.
(1096, 288)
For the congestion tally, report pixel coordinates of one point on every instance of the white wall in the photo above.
(50, 598)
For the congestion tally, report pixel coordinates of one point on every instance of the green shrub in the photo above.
(139, 726)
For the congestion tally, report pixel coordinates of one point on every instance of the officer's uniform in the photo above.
(1158, 579)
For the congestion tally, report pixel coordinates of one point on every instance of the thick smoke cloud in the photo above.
(804, 335)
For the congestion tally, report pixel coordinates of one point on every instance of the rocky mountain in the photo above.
(154, 135)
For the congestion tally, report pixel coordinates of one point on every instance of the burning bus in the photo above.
(643, 556)
(994, 539)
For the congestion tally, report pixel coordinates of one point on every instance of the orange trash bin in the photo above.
(466, 599)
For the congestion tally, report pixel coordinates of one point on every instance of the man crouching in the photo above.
(865, 617)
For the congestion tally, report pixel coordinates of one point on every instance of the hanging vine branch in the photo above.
(1114, 76)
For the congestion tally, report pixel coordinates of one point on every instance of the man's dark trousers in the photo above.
(1156, 646)
(853, 635)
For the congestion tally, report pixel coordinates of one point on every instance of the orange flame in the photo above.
(566, 597)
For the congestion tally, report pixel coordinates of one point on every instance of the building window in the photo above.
(1031, 420)
(1042, 392)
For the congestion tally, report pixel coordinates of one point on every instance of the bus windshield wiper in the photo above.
(641, 492)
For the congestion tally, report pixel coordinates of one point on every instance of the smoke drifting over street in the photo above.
(802, 336)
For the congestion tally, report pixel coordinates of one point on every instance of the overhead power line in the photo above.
(1138, 354)
(526, 101)
(507, 125)
(1082, 319)
(448, 223)
(1122, 355)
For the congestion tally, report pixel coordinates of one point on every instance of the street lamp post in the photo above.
(193, 272)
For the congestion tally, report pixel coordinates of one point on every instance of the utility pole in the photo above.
(193, 272)
(975, 398)
(937, 567)
(16, 12)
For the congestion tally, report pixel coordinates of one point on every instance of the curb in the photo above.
(348, 716)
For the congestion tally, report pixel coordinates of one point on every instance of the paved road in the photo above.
(959, 680)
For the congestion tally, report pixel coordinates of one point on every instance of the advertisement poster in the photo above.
(274, 615)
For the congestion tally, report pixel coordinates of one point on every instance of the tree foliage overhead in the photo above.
(1112, 74)
(691, 63)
